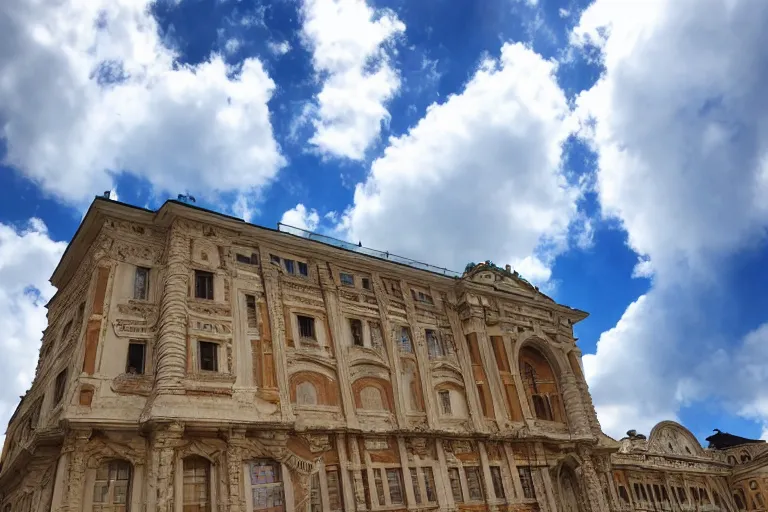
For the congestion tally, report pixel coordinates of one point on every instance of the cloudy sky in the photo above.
(614, 152)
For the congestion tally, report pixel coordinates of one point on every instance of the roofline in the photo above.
(172, 207)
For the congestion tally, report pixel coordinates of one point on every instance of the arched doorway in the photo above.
(569, 490)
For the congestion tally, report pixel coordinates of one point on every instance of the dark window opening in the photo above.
(61, 384)
(274, 259)
(203, 285)
(623, 494)
(136, 357)
(445, 402)
(306, 326)
(664, 494)
(366, 283)
(657, 492)
(636, 487)
(526, 480)
(498, 486)
(209, 360)
(739, 501)
(356, 326)
(250, 311)
(416, 488)
(681, 495)
(141, 283)
(429, 484)
(395, 481)
(303, 269)
(346, 279)
(642, 492)
(253, 259)
(290, 266)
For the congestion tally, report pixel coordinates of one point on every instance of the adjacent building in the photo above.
(194, 362)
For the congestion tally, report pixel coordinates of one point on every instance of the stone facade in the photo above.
(195, 362)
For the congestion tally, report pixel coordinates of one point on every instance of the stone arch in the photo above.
(325, 388)
(361, 385)
(569, 490)
(541, 384)
(672, 438)
(100, 450)
(555, 358)
(203, 449)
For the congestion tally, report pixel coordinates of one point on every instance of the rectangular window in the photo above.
(623, 494)
(209, 360)
(474, 482)
(416, 488)
(498, 485)
(274, 259)
(203, 285)
(334, 489)
(303, 269)
(681, 495)
(141, 283)
(526, 481)
(429, 484)
(405, 340)
(395, 481)
(61, 384)
(379, 486)
(445, 402)
(346, 279)
(636, 487)
(306, 326)
(366, 283)
(356, 326)
(453, 475)
(290, 266)
(196, 495)
(250, 311)
(657, 492)
(137, 351)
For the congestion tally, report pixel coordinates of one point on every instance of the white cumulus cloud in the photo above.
(89, 90)
(300, 217)
(350, 44)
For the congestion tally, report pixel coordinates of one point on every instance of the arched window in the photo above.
(266, 481)
(197, 486)
(306, 394)
(370, 398)
(110, 489)
(540, 386)
(738, 497)
(731, 460)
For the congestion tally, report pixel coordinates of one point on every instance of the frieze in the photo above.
(131, 252)
(667, 463)
(125, 328)
(209, 308)
(210, 326)
(318, 443)
(303, 286)
(348, 296)
(132, 384)
(376, 444)
(305, 301)
(138, 308)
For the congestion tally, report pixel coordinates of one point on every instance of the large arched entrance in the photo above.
(569, 490)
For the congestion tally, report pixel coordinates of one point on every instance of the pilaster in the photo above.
(160, 490)
(344, 467)
(407, 480)
(595, 496)
(235, 444)
(574, 409)
(491, 371)
(392, 351)
(444, 494)
(333, 311)
(357, 475)
(75, 445)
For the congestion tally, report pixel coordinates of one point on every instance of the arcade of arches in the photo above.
(195, 363)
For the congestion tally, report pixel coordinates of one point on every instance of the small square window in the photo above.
(366, 283)
(303, 269)
(290, 266)
(141, 283)
(136, 357)
(347, 279)
(306, 326)
(203, 285)
(209, 360)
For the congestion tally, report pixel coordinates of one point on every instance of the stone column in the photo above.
(470, 386)
(445, 493)
(393, 351)
(513, 471)
(333, 311)
(595, 495)
(235, 443)
(422, 357)
(542, 496)
(357, 475)
(574, 409)
(160, 478)
(490, 493)
(171, 347)
(574, 356)
(344, 468)
(273, 296)
(405, 468)
(75, 445)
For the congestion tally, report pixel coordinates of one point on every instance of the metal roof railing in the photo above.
(384, 255)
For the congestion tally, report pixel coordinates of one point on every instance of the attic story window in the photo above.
(290, 266)
(346, 279)
(274, 259)
(356, 326)
(253, 259)
(203, 285)
(366, 283)
(303, 268)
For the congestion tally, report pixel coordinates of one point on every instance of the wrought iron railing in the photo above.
(384, 255)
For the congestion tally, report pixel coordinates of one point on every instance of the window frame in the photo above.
(475, 470)
(457, 471)
(60, 387)
(112, 466)
(215, 347)
(352, 322)
(442, 394)
(205, 465)
(312, 328)
(277, 486)
(142, 370)
(350, 282)
(204, 276)
(138, 271)
(497, 480)
(526, 482)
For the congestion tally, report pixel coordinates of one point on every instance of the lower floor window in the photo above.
(110, 490)
(453, 476)
(266, 486)
(474, 483)
(197, 491)
(526, 481)
(395, 482)
(498, 484)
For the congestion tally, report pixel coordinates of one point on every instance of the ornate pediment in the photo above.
(501, 279)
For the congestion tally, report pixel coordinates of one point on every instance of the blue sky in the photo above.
(614, 152)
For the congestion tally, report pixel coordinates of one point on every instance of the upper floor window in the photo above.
(253, 259)
(306, 327)
(61, 384)
(293, 267)
(290, 266)
(250, 311)
(209, 357)
(405, 340)
(141, 283)
(445, 402)
(347, 279)
(203, 285)
(136, 357)
(422, 296)
(303, 268)
(435, 346)
(110, 489)
(356, 327)
(366, 283)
